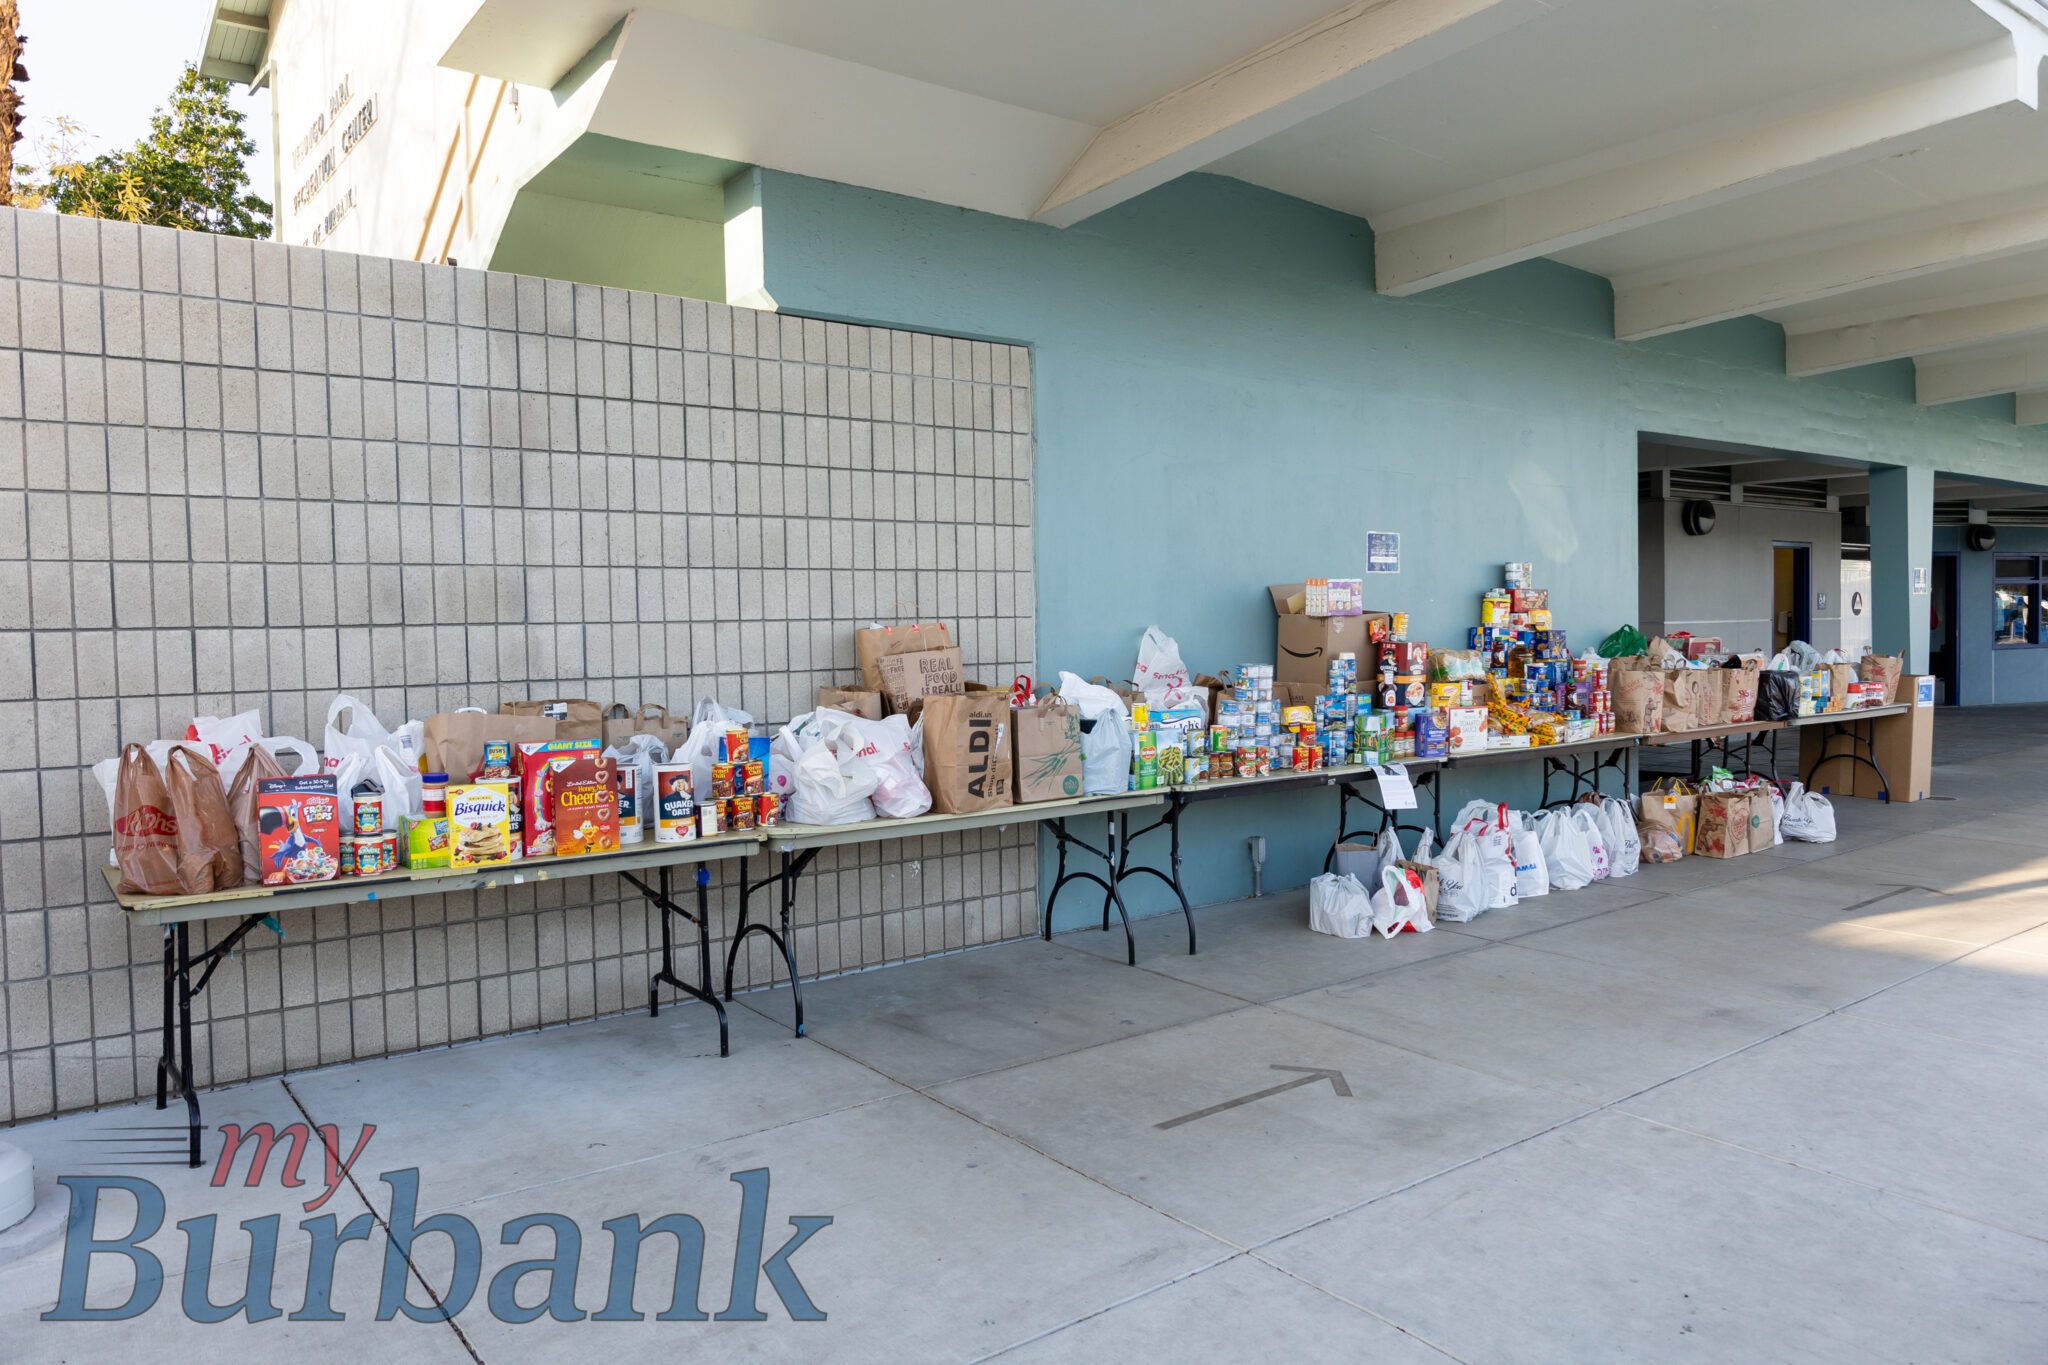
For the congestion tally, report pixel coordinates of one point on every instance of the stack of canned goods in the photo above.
(740, 798)
(370, 848)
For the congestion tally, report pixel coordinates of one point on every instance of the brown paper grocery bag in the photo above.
(145, 830)
(209, 848)
(257, 764)
(1046, 751)
(874, 643)
(574, 717)
(1724, 825)
(911, 676)
(1667, 819)
(1685, 698)
(1638, 700)
(452, 742)
(1738, 692)
(620, 725)
(967, 751)
(1839, 678)
(1882, 668)
(856, 701)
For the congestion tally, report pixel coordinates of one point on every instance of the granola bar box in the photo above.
(298, 829)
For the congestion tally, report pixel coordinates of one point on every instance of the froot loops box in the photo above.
(298, 829)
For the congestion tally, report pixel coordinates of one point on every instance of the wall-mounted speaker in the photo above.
(1697, 517)
(1980, 535)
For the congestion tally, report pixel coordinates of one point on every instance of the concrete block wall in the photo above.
(235, 474)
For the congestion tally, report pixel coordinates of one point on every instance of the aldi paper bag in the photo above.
(855, 701)
(875, 643)
(967, 751)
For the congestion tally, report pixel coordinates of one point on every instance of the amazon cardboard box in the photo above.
(1306, 644)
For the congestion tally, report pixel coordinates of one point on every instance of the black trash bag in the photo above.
(1777, 695)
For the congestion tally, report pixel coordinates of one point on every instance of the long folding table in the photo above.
(257, 905)
(797, 846)
(1579, 763)
(1746, 736)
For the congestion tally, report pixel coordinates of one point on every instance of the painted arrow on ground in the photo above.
(1310, 1075)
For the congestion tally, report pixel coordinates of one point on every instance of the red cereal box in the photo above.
(298, 829)
(586, 805)
(539, 767)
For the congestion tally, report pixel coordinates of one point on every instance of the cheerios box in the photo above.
(587, 806)
(479, 824)
(298, 829)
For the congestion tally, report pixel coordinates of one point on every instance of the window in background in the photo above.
(2018, 590)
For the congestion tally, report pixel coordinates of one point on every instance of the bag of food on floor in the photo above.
(890, 750)
(1670, 807)
(1883, 669)
(209, 847)
(1624, 844)
(1481, 859)
(1809, 816)
(1724, 830)
(1160, 674)
(1566, 854)
(1401, 904)
(1046, 741)
(1777, 802)
(967, 751)
(1589, 825)
(1339, 906)
(1532, 873)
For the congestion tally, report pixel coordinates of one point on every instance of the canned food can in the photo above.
(755, 780)
(739, 813)
(721, 781)
(767, 810)
(369, 817)
(735, 746)
(345, 862)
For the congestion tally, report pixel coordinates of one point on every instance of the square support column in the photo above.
(1901, 562)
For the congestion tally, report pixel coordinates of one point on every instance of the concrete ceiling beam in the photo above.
(1554, 208)
(2031, 409)
(1337, 59)
(1925, 332)
(1953, 381)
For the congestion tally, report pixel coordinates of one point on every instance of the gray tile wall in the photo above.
(237, 474)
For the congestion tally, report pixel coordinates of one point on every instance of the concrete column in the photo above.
(1901, 562)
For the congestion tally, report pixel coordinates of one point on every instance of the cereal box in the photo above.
(539, 767)
(479, 824)
(298, 829)
(586, 805)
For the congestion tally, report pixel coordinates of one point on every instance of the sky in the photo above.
(110, 63)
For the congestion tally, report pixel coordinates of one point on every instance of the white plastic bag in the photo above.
(707, 731)
(1809, 816)
(226, 739)
(888, 748)
(1091, 699)
(1777, 815)
(1105, 753)
(1532, 873)
(1589, 825)
(1461, 880)
(1565, 851)
(1338, 905)
(832, 783)
(352, 728)
(1400, 904)
(1624, 843)
(638, 756)
(1160, 674)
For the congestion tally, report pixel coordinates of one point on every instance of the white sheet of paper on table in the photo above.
(1397, 792)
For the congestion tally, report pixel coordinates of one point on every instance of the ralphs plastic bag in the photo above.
(1338, 905)
(1160, 674)
(225, 739)
(890, 750)
(832, 783)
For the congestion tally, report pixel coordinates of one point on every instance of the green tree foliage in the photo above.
(190, 172)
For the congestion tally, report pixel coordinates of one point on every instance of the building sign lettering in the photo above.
(330, 139)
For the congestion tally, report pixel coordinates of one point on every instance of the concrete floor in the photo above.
(1781, 1108)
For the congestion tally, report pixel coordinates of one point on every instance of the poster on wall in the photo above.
(1383, 552)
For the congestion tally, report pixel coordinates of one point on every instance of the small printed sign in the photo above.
(1383, 552)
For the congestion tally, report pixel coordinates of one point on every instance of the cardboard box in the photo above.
(1904, 745)
(1703, 647)
(1306, 644)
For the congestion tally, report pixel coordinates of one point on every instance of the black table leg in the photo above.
(665, 906)
(175, 1062)
(793, 866)
(1062, 877)
(1862, 738)
(1123, 841)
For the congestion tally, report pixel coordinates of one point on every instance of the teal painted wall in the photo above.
(1224, 402)
(1987, 673)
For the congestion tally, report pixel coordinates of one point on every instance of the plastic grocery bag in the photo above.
(1566, 854)
(1338, 905)
(1461, 880)
(1809, 817)
(1624, 844)
(1091, 699)
(1625, 641)
(1105, 753)
(209, 848)
(225, 739)
(1589, 825)
(890, 750)
(1777, 814)
(1532, 873)
(1160, 674)
(1400, 905)
(352, 728)
(257, 763)
(707, 732)
(638, 756)
(145, 830)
